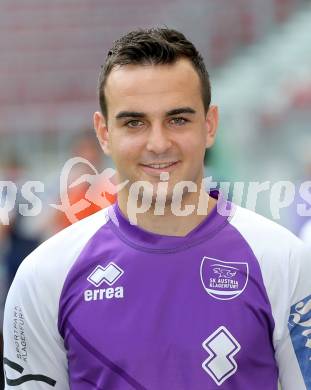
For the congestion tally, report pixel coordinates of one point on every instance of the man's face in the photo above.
(156, 123)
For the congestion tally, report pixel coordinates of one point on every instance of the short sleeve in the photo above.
(34, 355)
(293, 351)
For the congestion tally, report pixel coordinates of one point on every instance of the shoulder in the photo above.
(67, 243)
(263, 235)
(282, 257)
(278, 251)
(45, 269)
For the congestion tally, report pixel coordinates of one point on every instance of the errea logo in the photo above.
(222, 348)
(103, 293)
(109, 274)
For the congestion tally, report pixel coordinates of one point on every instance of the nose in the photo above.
(158, 139)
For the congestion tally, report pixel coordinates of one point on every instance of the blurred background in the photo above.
(259, 58)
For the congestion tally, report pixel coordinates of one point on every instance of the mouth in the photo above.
(157, 168)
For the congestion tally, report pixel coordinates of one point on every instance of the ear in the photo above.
(101, 129)
(211, 125)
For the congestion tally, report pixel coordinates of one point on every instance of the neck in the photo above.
(173, 219)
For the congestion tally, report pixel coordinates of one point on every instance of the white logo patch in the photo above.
(110, 274)
(222, 347)
(223, 280)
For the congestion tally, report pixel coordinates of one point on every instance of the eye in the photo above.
(179, 121)
(134, 123)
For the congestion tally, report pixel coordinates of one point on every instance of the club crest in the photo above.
(223, 279)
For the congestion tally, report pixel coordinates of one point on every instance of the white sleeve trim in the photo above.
(275, 249)
(31, 337)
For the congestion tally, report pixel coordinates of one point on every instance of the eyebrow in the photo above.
(181, 110)
(135, 114)
(130, 114)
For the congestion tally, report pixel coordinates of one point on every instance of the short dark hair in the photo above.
(156, 46)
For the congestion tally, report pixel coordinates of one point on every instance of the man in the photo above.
(172, 287)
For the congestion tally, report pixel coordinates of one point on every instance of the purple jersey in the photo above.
(108, 305)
